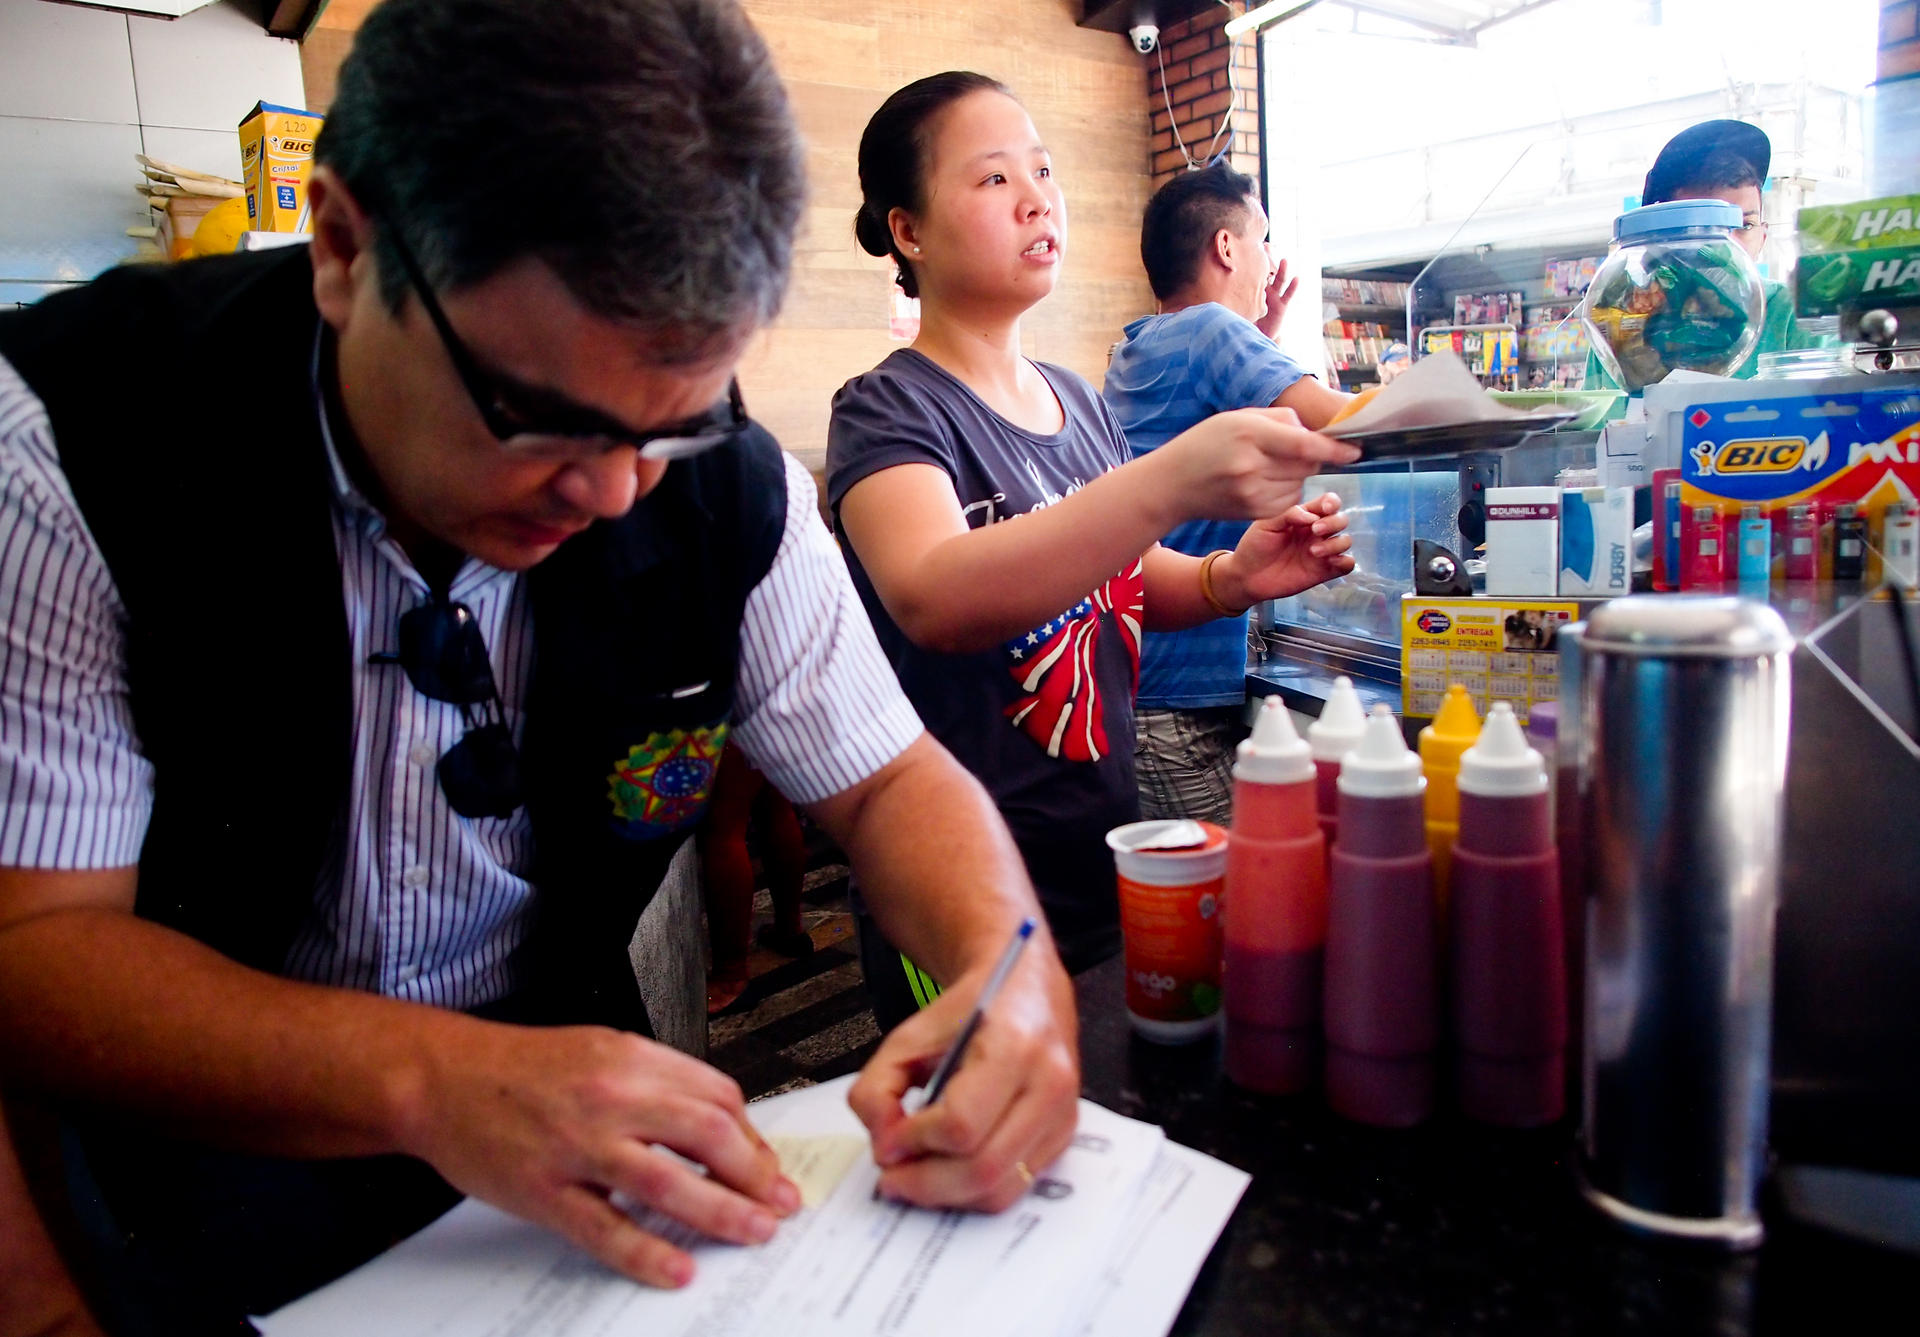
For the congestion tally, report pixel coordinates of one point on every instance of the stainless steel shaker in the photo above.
(1682, 742)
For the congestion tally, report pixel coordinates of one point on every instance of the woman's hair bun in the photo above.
(871, 233)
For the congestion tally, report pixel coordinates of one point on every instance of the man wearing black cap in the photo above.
(1722, 160)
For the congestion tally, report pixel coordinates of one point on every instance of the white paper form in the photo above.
(850, 1267)
(906, 1270)
(1180, 1211)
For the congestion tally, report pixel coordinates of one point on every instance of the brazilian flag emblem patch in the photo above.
(662, 784)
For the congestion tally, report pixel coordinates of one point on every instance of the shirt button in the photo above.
(422, 754)
(408, 973)
(415, 876)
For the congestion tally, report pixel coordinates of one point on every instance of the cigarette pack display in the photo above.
(1523, 540)
(1596, 541)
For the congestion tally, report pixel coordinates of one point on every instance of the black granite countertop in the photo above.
(1451, 1228)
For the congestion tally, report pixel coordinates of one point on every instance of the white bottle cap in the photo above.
(1342, 723)
(1276, 754)
(1382, 766)
(1500, 764)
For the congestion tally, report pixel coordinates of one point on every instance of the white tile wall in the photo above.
(65, 62)
(204, 71)
(215, 151)
(69, 198)
(83, 90)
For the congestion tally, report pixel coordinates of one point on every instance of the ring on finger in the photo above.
(1026, 1175)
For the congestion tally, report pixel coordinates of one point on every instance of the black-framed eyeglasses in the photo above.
(558, 429)
(445, 658)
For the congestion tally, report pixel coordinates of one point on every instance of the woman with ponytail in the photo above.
(1005, 547)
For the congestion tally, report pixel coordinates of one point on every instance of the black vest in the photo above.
(181, 406)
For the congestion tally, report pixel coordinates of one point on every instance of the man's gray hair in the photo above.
(644, 150)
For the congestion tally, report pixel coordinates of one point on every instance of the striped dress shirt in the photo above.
(416, 902)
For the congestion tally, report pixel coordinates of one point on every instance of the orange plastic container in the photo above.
(1171, 898)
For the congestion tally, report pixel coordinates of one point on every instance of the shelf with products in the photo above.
(1351, 345)
(1533, 291)
(1373, 295)
(1363, 324)
(1491, 350)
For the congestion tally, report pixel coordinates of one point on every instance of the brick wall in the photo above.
(1202, 71)
(1899, 38)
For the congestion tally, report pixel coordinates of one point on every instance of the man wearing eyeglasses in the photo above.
(366, 658)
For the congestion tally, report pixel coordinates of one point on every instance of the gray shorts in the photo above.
(1183, 762)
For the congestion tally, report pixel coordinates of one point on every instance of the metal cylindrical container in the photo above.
(1569, 752)
(1683, 740)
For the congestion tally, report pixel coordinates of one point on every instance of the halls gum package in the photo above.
(276, 154)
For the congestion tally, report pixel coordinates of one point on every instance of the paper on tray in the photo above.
(1438, 391)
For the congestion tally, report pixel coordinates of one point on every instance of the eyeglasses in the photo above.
(446, 659)
(560, 430)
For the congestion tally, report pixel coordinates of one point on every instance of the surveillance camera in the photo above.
(1144, 37)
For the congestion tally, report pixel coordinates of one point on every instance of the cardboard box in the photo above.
(276, 155)
(177, 223)
(1523, 540)
(1596, 541)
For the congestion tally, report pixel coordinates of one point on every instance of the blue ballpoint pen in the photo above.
(950, 1061)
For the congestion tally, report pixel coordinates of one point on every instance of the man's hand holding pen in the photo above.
(1010, 1107)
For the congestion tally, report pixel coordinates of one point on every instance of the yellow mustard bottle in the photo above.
(1455, 728)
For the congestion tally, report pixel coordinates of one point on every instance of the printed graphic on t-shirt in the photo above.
(1060, 706)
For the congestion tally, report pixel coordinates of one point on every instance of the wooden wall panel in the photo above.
(840, 58)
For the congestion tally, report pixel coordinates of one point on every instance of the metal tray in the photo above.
(1398, 443)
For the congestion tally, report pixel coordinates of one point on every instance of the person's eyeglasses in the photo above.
(446, 659)
(561, 430)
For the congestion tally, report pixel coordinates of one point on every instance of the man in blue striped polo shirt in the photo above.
(1209, 349)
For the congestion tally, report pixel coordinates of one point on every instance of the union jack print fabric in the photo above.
(1060, 706)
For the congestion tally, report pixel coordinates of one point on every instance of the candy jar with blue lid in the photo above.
(1676, 291)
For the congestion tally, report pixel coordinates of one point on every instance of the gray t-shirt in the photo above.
(1045, 720)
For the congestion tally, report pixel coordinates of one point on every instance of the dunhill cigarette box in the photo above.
(1523, 540)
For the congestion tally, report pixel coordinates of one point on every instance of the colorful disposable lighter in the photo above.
(1666, 529)
(1900, 545)
(1755, 563)
(1803, 543)
(1849, 543)
(1705, 561)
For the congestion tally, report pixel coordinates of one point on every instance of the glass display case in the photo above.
(1353, 623)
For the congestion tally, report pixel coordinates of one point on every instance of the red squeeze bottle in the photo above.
(1383, 988)
(1509, 958)
(1276, 912)
(1337, 732)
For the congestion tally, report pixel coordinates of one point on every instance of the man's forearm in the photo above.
(101, 1007)
(40, 1299)
(936, 864)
